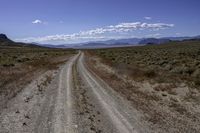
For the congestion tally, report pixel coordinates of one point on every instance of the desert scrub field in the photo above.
(172, 62)
(19, 65)
(160, 81)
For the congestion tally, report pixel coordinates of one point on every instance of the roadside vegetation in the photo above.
(20, 64)
(172, 62)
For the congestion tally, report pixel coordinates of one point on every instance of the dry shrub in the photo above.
(149, 73)
(166, 87)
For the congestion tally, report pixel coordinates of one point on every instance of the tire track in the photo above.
(117, 118)
(64, 121)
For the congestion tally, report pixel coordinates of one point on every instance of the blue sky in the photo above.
(72, 21)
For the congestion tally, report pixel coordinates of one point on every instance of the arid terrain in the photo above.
(144, 89)
(99, 66)
(160, 81)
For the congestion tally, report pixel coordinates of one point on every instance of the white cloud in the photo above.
(127, 27)
(99, 33)
(37, 21)
(124, 27)
(147, 18)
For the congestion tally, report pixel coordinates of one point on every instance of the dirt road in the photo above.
(69, 100)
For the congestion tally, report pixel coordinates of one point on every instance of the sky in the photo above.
(75, 21)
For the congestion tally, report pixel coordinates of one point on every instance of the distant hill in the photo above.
(6, 42)
(4, 38)
(120, 41)
(131, 42)
(154, 41)
(134, 42)
(50, 45)
(198, 37)
(123, 42)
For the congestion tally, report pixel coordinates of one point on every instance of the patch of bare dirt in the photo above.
(22, 111)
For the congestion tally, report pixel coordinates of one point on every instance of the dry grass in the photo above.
(176, 61)
(19, 66)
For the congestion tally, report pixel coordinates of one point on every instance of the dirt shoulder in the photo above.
(22, 112)
(165, 107)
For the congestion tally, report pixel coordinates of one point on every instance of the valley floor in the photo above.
(78, 97)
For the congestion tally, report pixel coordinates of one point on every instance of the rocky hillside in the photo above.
(6, 42)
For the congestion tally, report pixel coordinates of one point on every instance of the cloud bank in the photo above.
(99, 33)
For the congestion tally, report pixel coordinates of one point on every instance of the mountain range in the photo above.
(4, 40)
(135, 41)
